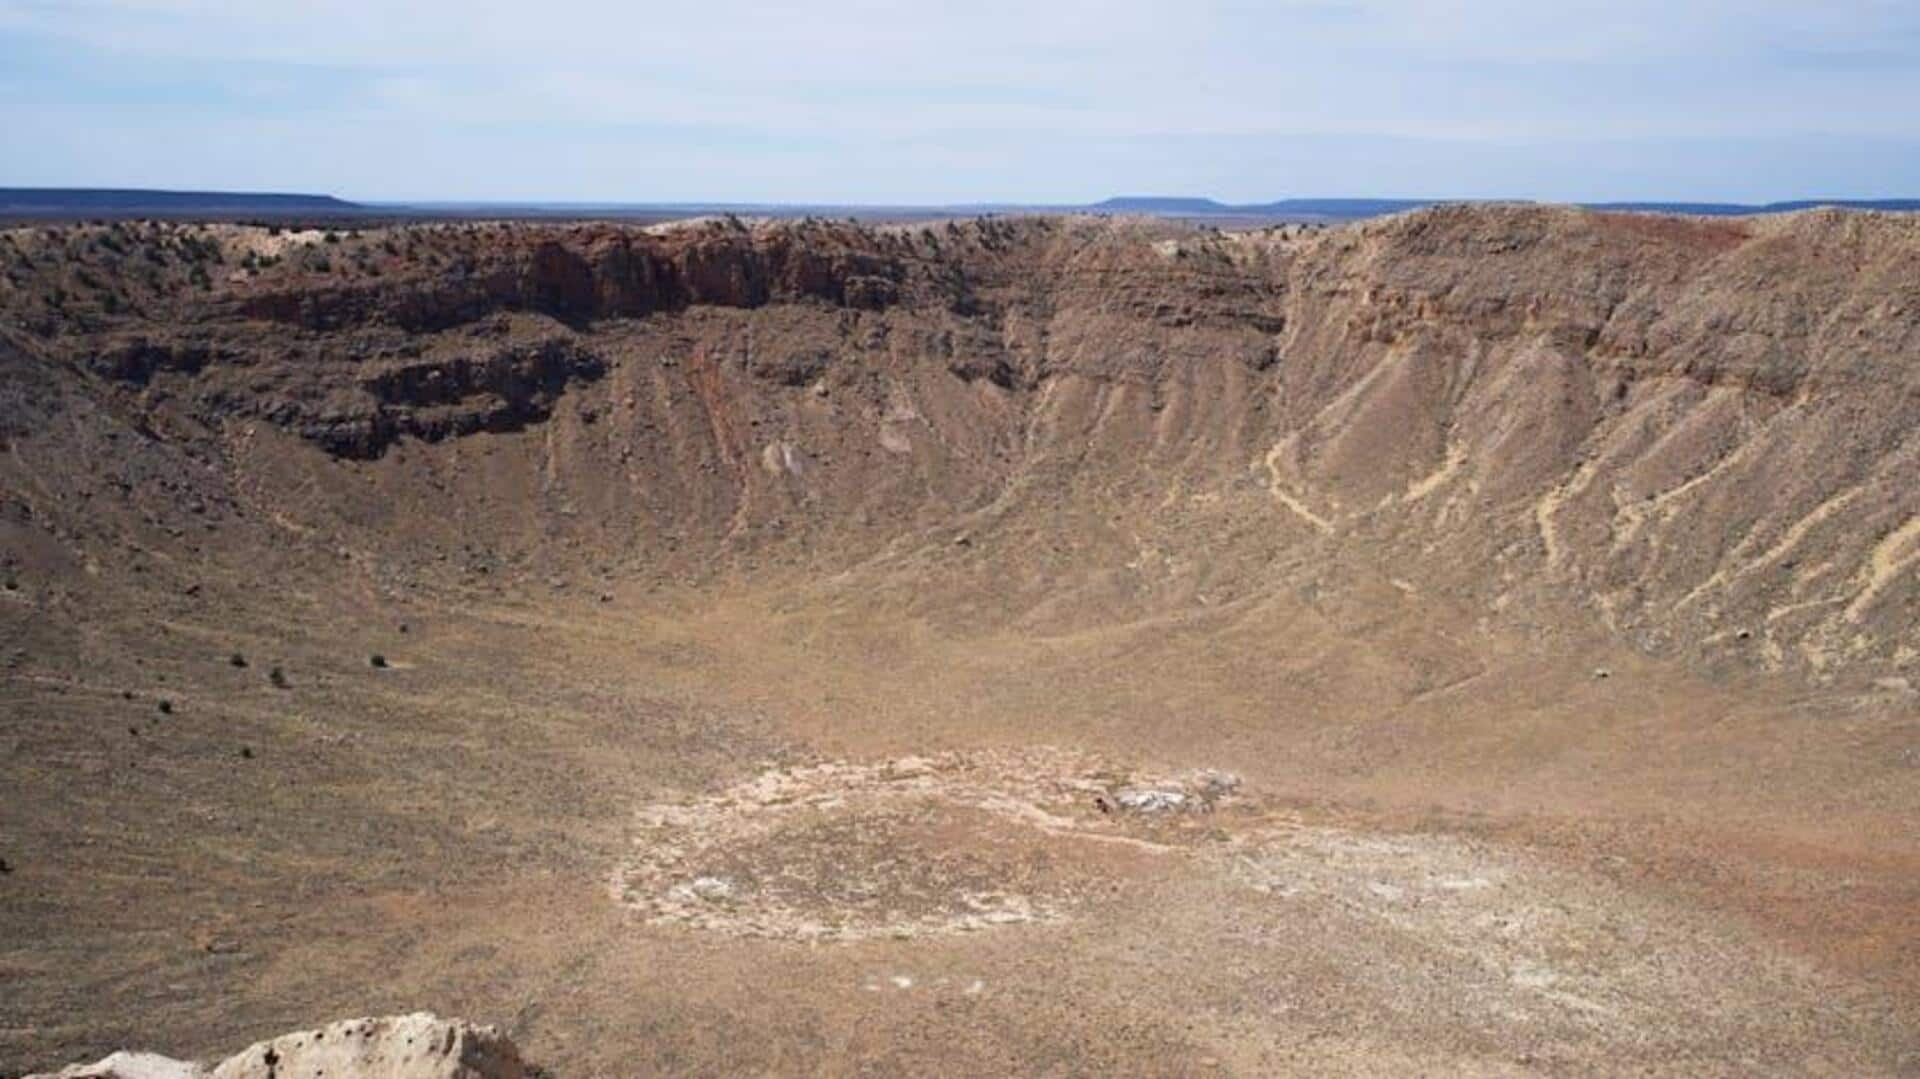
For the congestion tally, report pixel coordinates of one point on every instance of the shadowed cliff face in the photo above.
(589, 274)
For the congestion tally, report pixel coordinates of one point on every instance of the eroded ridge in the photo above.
(914, 846)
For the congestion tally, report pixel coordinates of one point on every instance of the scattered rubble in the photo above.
(1195, 793)
(915, 846)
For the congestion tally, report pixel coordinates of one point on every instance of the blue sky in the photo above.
(860, 101)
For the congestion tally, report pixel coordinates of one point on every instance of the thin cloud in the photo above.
(782, 97)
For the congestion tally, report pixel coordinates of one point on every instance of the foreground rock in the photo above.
(417, 1046)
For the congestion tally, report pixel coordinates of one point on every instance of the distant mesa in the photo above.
(1157, 204)
(127, 202)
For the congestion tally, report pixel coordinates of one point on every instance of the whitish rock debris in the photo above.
(954, 843)
(417, 1046)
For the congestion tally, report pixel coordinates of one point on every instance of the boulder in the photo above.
(417, 1046)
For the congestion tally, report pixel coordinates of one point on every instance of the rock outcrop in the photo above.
(598, 272)
(417, 1046)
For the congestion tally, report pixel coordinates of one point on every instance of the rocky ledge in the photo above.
(417, 1046)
